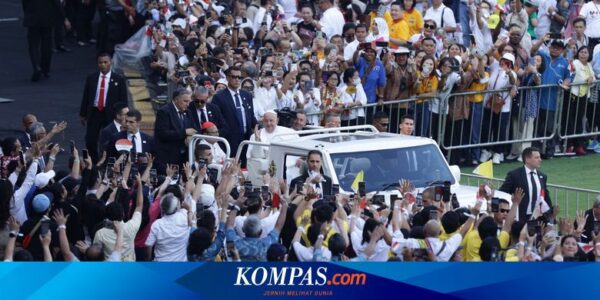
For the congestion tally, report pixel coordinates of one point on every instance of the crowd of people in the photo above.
(250, 70)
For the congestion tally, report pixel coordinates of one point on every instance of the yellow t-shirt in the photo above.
(414, 20)
(330, 232)
(398, 30)
(511, 255)
(425, 86)
(477, 86)
(472, 242)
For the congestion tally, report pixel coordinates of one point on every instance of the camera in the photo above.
(286, 117)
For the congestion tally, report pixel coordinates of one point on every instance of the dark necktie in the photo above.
(134, 148)
(239, 111)
(534, 192)
(181, 120)
(205, 115)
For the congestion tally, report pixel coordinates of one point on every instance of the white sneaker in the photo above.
(520, 158)
(485, 156)
(512, 157)
(496, 159)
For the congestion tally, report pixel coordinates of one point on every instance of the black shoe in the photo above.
(46, 75)
(63, 49)
(37, 75)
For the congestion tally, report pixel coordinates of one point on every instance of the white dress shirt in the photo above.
(529, 185)
(138, 141)
(106, 85)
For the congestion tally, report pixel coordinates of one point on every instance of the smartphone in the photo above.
(44, 227)
(176, 173)
(133, 155)
(294, 67)
(201, 164)
(228, 31)
(264, 193)
(362, 189)
(446, 192)
(111, 160)
(319, 34)
(153, 177)
(299, 188)
(433, 214)
(419, 200)
(495, 204)
(275, 201)
(363, 46)
(134, 171)
(362, 203)
(85, 153)
(247, 187)
(238, 51)
(268, 73)
(439, 194)
(72, 145)
(335, 189)
(532, 61)
(531, 226)
(21, 158)
(308, 85)
(182, 74)
(382, 44)
(230, 247)
(596, 227)
(555, 36)
(50, 146)
(455, 203)
(393, 199)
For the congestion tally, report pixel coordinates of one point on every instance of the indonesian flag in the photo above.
(544, 207)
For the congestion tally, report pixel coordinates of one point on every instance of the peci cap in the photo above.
(41, 202)
(42, 179)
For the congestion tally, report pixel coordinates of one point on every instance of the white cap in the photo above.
(180, 22)
(207, 195)
(42, 179)
(401, 50)
(510, 57)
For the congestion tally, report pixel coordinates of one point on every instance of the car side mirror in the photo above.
(455, 170)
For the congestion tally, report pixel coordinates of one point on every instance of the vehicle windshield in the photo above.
(422, 165)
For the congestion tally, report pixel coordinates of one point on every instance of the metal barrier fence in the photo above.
(462, 123)
(569, 199)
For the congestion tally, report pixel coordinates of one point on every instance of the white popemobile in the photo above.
(384, 159)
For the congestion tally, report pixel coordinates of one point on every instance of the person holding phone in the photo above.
(352, 97)
(314, 175)
(39, 224)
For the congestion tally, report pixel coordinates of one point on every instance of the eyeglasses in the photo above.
(504, 211)
(430, 26)
(235, 77)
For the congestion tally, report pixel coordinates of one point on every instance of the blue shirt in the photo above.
(213, 250)
(376, 78)
(596, 66)
(253, 249)
(555, 73)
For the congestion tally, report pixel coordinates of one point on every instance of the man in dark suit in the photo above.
(592, 216)
(39, 17)
(101, 91)
(23, 136)
(172, 126)
(142, 143)
(320, 182)
(106, 134)
(202, 111)
(531, 180)
(238, 111)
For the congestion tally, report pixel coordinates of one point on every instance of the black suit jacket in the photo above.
(589, 226)
(147, 143)
(325, 186)
(518, 178)
(214, 115)
(170, 137)
(224, 101)
(24, 139)
(40, 13)
(117, 92)
(106, 136)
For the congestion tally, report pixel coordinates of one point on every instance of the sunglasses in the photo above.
(504, 211)
(430, 26)
(235, 77)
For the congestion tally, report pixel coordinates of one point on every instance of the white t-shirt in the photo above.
(350, 49)
(544, 18)
(107, 237)
(307, 253)
(332, 22)
(435, 14)
(591, 12)
(381, 248)
(500, 80)
(443, 253)
(169, 235)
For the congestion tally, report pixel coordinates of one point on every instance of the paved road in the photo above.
(54, 99)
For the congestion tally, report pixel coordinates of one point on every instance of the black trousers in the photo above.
(83, 20)
(95, 122)
(59, 35)
(39, 40)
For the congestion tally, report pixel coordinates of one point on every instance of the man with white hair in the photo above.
(266, 134)
(169, 234)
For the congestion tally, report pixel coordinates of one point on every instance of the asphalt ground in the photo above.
(52, 100)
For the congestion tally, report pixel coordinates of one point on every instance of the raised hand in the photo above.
(59, 217)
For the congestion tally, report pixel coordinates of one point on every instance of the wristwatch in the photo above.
(13, 234)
